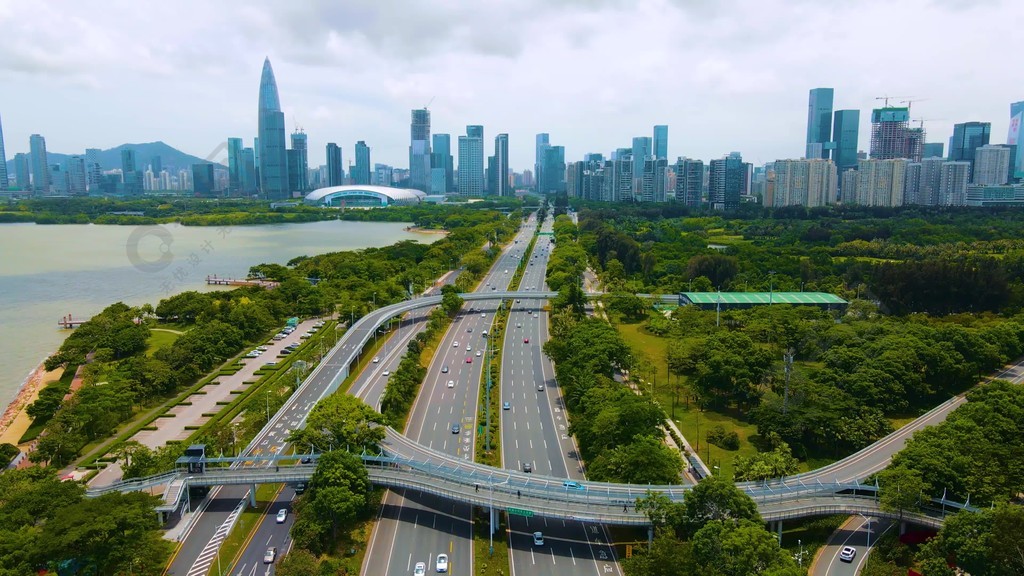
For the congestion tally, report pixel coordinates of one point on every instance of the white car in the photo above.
(847, 554)
(376, 359)
(387, 373)
(451, 383)
(469, 348)
(455, 344)
(420, 569)
(538, 538)
(478, 353)
(483, 315)
(282, 515)
(442, 562)
(270, 555)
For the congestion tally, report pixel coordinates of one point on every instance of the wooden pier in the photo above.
(218, 281)
(67, 322)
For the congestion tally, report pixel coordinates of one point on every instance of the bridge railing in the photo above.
(133, 484)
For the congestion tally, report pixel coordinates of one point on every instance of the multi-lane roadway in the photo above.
(415, 527)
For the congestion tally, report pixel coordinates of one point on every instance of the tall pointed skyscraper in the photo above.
(272, 151)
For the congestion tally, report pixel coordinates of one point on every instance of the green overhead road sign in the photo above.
(520, 512)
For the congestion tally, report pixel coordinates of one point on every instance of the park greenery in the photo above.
(715, 531)
(191, 211)
(50, 527)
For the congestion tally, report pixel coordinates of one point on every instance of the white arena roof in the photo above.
(383, 194)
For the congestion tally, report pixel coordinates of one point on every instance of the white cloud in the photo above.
(724, 75)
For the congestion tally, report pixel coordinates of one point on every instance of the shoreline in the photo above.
(15, 421)
(418, 230)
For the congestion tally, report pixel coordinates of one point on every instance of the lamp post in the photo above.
(375, 300)
(771, 286)
(492, 530)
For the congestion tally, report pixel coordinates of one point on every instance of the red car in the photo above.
(469, 359)
(526, 340)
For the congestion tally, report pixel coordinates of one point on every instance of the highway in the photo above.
(413, 526)
(853, 533)
(534, 432)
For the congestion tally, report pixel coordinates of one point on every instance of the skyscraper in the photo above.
(542, 143)
(968, 137)
(889, 133)
(726, 182)
(22, 171)
(1015, 137)
(553, 170)
(934, 150)
(3, 160)
(235, 165)
(273, 156)
(471, 162)
(40, 165)
(361, 172)
(500, 177)
(652, 181)
(928, 185)
(94, 172)
(382, 175)
(641, 152)
(419, 151)
(130, 175)
(845, 131)
(441, 159)
(76, 175)
(202, 178)
(298, 158)
(335, 169)
(819, 122)
(661, 142)
(689, 181)
(249, 180)
(991, 165)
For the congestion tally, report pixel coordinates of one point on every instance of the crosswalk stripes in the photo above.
(202, 564)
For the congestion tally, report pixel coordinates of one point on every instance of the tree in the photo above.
(740, 548)
(341, 421)
(984, 543)
(451, 302)
(717, 498)
(629, 305)
(659, 509)
(764, 465)
(298, 562)
(338, 494)
(668, 556)
(901, 489)
(645, 460)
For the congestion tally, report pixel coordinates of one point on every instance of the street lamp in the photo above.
(375, 300)
(492, 530)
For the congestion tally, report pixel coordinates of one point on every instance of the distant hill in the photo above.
(170, 158)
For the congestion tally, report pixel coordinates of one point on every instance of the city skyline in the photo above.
(353, 73)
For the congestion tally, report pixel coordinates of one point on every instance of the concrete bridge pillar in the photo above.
(903, 528)
(494, 521)
(252, 496)
(650, 537)
(779, 528)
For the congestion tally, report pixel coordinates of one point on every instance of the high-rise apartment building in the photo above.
(881, 182)
(953, 183)
(471, 162)
(689, 181)
(991, 166)
(808, 182)
(928, 182)
(77, 181)
(441, 158)
(653, 180)
(661, 142)
(298, 163)
(272, 159)
(335, 169)
(500, 177)
(3, 160)
(845, 131)
(968, 137)
(58, 181)
(889, 133)
(726, 182)
(40, 164)
(819, 122)
(912, 183)
(1015, 137)
(361, 172)
(236, 166)
(419, 150)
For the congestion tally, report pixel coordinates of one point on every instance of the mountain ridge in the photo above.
(170, 157)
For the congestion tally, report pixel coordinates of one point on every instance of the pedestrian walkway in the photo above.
(188, 416)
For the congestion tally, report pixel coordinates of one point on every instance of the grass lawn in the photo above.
(160, 338)
(485, 563)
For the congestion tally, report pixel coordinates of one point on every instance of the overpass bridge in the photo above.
(829, 490)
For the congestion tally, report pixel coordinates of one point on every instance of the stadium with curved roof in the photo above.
(367, 196)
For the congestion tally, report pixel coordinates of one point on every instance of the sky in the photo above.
(724, 75)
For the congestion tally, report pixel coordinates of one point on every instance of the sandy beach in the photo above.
(419, 230)
(15, 421)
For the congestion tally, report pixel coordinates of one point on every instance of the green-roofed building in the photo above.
(734, 300)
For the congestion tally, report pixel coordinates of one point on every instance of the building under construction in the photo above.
(892, 137)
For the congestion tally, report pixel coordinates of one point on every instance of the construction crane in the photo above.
(921, 121)
(910, 101)
(887, 98)
(427, 105)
